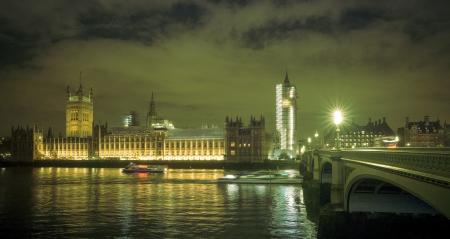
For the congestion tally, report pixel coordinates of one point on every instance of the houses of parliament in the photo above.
(157, 139)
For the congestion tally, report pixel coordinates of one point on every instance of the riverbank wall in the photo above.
(185, 164)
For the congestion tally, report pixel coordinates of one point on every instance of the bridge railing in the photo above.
(431, 161)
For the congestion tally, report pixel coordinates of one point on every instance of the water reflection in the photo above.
(81, 202)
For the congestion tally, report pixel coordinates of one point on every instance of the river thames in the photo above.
(97, 202)
(60, 202)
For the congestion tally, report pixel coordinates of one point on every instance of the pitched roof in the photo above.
(202, 133)
(429, 126)
(378, 127)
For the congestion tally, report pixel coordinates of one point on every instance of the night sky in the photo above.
(205, 60)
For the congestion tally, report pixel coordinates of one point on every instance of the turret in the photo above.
(91, 94)
(286, 79)
(80, 88)
(68, 92)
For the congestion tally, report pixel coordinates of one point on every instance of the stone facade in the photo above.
(245, 143)
(26, 143)
(425, 133)
(163, 144)
(373, 134)
(79, 113)
(134, 144)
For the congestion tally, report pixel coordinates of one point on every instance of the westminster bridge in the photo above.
(383, 180)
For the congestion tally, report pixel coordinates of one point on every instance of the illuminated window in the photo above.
(233, 152)
(232, 144)
(286, 103)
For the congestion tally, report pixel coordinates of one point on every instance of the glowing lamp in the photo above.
(337, 117)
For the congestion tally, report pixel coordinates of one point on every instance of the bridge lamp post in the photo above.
(337, 120)
(316, 137)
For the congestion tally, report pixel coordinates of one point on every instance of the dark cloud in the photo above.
(360, 18)
(206, 59)
(15, 48)
(284, 3)
(278, 30)
(21, 38)
(140, 25)
(421, 28)
(231, 2)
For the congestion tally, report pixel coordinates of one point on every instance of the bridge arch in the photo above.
(419, 197)
(373, 195)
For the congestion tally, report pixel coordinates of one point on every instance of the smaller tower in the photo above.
(245, 143)
(79, 113)
(151, 114)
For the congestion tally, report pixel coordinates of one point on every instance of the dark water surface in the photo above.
(98, 203)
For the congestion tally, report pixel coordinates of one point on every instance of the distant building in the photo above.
(64, 148)
(5, 148)
(286, 117)
(79, 113)
(425, 133)
(373, 134)
(159, 140)
(26, 143)
(154, 121)
(446, 134)
(245, 143)
(176, 144)
(131, 119)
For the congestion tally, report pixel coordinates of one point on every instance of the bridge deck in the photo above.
(429, 164)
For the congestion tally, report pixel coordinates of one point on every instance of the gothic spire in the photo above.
(152, 110)
(91, 93)
(80, 88)
(68, 91)
(286, 79)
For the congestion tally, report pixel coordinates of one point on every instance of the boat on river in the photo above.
(263, 177)
(142, 168)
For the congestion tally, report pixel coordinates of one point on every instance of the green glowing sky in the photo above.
(208, 59)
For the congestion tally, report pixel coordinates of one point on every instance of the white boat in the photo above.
(139, 168)
(263, 177)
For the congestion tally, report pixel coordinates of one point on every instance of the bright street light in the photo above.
(337, 117)
(309, 140)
